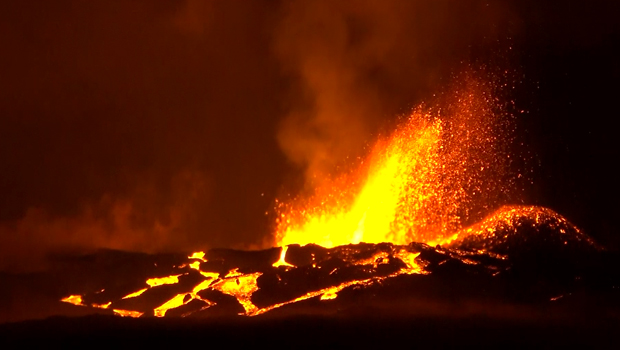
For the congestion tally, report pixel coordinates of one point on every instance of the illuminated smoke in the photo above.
(137, 223)
(106, 109)
(444, 168)
(355, 64)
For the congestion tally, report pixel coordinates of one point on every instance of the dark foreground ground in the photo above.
(365, 328)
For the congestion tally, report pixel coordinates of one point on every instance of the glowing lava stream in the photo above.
(243, 286)
(77, 300)
(330, 293)
(282, 260)
(154, 282)
(184, 298)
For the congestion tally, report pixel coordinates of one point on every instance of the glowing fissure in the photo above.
(184, 298)
(490, 238)
(154, 282)
(127, 313)
(409, 259)
(233, 273)
(73, 299)
(198, 256)
(243, 286)
(374, 260)
(135, 294)
(282, 260)
(331, 293)
(325, 293)
(102, 306)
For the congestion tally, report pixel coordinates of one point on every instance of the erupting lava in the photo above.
(445, 168)
(438, 180)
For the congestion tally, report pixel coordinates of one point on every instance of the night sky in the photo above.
(174, 125)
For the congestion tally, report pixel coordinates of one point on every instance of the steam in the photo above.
(358, 63)
(136, 222)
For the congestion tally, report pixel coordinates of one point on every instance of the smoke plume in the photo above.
(161, 126)
(358, 63)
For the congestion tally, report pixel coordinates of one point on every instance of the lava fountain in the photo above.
(429, 199)
(444, 168)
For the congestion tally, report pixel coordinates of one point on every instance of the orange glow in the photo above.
(198, 255)
(184, 298)
(282, 261)
(326, 294)
(438, 172)
(233, 273)
(195, 265)
(200, 287)
(241, 287)
(507, 220)
(102, 306)
(330, 294)
(375, 260)
(438, 179)
(135, 294)
(73, 299)
(127, 313)
(154, 282)
(410, 260)
(212, 275)
(175, 302)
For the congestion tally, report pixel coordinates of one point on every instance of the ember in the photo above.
(440, 171)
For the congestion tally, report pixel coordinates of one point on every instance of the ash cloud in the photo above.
(167, 126)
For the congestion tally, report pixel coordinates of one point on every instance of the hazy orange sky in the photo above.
(166, 126)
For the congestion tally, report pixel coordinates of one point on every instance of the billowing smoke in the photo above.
(167, 126)
(358, 63)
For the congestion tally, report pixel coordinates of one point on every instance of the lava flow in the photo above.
(439, 180)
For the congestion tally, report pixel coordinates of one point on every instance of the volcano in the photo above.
(309, 173)
(534, 269)
(412, 240)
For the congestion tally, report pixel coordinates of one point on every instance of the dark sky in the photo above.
(173, 125)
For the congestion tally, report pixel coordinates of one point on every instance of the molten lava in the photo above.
(439, 179)
(154, 282)
(282, 260)
(443, 169)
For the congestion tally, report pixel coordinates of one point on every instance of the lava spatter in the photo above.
(423, 202)
(443, 169)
